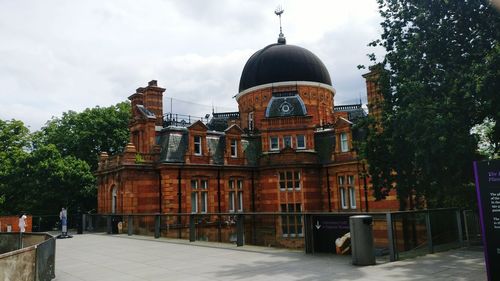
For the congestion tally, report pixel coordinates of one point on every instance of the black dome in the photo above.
(281, 63)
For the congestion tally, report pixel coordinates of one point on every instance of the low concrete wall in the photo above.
(34, 261)
(18, 265)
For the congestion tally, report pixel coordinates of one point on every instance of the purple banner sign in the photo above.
(487, 174)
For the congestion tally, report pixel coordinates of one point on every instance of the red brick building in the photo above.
(287, 149)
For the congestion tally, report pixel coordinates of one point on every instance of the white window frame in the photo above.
(342, 191)
(199, 203)
(239, 186)
(343, 198)
(234, 148)
(204, 195)
(303, 137)
(232, 194)
(277, 142)
(289, 180)
(351, 191)
(197, 145)
(344, 142)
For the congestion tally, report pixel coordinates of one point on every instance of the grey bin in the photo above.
(363, 252)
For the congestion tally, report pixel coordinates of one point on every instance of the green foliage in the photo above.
(50, 169)
(138, 158)
(85, 135)
(442, 78)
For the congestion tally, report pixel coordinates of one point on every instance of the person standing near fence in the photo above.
(63, 215)
(22, 223)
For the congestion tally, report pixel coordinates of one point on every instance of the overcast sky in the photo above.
(59, 55)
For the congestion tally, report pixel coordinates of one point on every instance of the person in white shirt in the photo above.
(22, 223)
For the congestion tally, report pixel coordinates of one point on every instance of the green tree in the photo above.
(441, 80)
(14, 146)
(85, 135)
(47, 181)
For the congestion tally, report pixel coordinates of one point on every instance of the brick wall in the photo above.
(14, 222)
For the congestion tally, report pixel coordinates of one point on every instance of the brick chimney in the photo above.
(374, 95)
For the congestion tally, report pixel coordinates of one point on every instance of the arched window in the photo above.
(114, 199)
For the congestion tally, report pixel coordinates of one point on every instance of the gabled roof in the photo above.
(198, 126)
(234, 130)
(341, 121)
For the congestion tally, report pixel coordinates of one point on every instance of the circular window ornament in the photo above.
(286, 108)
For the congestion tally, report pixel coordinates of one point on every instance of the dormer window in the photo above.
(344, 145)
(234, 148)
(197, 145)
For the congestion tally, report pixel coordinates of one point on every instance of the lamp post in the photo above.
(365, 187)
(363, 174)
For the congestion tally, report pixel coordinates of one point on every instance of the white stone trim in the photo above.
(286, 83)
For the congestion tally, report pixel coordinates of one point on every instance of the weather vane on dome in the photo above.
(281, 39)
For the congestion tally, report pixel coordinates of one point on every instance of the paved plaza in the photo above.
(100, 257)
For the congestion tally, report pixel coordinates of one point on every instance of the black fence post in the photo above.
(429, 232)
(240, 230)
(157, 226)
(192, 228)
(109, 226)
(459, 227)
(308, 234)
(130, 221)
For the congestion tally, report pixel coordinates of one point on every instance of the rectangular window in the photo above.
(204, 202)
(250, 121)
(240, 195)
(194, 202)
(291, 225)
(231, 196)
(352, 192)
(287, 141)
(343, 199)
(301, 141)
(199, 195)
(234, 148)
(274, 145)
(289, 180)
(344, 145)
(235, 195)
(197, 145)
(282, 180)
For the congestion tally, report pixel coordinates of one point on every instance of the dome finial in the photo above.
(281, 38)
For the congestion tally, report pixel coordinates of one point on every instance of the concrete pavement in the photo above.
(120, 258)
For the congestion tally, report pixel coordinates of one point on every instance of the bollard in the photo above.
(240, 230)
(192, 228)
(157, 226)
(129, 225)
(109, 229)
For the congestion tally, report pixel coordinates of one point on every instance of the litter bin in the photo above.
(363, 252)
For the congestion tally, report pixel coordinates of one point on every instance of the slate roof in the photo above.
(174, 143)
(282, 63)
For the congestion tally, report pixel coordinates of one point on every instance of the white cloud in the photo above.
(69, 55)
